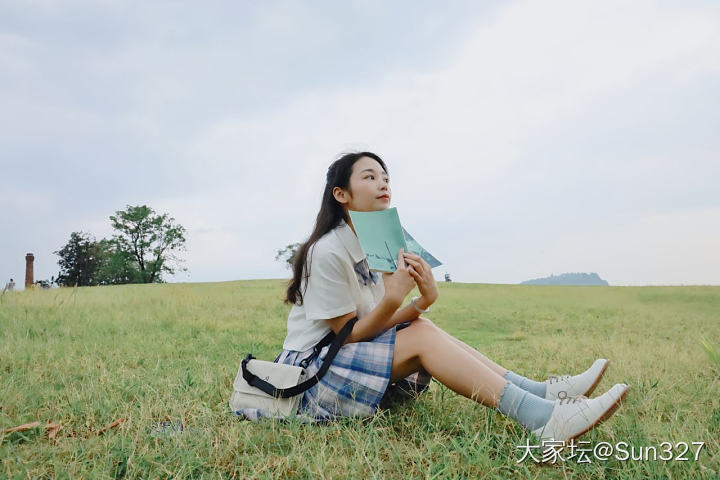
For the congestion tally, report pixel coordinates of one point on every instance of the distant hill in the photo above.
(568, 279)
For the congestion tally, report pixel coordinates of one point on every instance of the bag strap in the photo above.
(338, 341)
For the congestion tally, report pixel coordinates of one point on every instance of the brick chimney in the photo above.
(29, 275)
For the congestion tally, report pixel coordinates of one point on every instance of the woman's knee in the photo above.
(414, 342)
(429, 325)
(422, 329)
(425, 321)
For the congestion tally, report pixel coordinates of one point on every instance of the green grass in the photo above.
(85, 357)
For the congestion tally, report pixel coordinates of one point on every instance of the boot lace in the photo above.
(565, 398)
(557, 378)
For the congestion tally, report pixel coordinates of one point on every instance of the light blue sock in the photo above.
(537, 388)
(528, 409)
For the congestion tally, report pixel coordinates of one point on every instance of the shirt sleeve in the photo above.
(328, 293)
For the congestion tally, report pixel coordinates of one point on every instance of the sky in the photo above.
(522, 138)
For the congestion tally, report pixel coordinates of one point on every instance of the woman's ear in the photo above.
(340, 195)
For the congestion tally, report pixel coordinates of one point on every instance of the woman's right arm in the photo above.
(369, 326)
(397, 286)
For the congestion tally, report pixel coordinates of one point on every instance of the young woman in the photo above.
(392, 350)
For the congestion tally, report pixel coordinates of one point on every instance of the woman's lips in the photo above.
(384, 198)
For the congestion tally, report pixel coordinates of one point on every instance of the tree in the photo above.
(150, 239)
(118, 266)
(288, 252)
(79, 260)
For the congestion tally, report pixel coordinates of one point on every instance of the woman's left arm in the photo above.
(422, 273)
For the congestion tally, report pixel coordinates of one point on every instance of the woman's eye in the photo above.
(387, 180)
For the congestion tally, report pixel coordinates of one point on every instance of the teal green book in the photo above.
(382, 236)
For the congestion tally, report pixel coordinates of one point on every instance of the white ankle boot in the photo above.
(582, 384)
(572, 416)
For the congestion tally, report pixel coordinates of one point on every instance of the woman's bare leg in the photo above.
(494, 366)
(421, 345)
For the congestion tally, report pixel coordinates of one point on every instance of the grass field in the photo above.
(86, 357)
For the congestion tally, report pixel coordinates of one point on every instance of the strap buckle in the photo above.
(316, 351)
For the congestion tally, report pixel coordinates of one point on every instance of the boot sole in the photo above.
(597, 380)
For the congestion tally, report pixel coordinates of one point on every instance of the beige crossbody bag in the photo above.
(276, 387)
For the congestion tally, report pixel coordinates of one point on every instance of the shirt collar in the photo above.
(350, 241)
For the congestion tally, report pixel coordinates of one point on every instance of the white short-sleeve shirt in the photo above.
(335, 287)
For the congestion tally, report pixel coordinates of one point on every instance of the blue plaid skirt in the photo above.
(355, 385)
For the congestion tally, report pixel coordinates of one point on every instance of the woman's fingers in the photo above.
(412, 261)
(417, 276)
(417, 258)
(422, 263)
(425, 264)
(418, 266)
(401, 261)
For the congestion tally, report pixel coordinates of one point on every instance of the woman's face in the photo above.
(370, 187)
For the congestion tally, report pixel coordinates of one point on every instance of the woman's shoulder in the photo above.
(328, 245)
(328, 252)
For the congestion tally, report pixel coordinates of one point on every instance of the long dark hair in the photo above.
(330, 214)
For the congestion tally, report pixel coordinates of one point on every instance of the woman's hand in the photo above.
(399, 283)
(422, 273)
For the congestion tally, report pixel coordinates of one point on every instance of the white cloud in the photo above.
(553, 125)
(454, 137)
